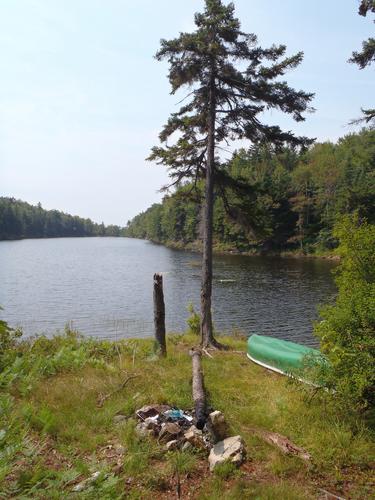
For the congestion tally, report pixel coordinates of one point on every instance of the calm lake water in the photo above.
(104, 287)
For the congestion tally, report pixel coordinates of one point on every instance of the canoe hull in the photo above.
(281, 356)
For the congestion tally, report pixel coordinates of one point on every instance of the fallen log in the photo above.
(283, 443)
(199, 395)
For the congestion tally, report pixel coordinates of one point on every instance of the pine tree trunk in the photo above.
(207, 337)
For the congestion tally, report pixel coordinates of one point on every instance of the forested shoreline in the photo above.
(19, 219)
(289, 200)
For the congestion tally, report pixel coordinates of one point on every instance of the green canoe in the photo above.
(282, 356)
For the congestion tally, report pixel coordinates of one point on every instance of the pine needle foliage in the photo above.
(213, 56)
(364, 58)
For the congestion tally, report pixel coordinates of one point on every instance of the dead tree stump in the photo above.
(199, 396)
(159, 314)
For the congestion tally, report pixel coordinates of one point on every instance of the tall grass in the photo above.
(53, 432)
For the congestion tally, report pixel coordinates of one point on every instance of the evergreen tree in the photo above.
(365, 57)
(233, 81)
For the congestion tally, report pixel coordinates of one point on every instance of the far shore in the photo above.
(218, 249)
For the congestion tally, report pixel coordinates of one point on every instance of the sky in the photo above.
(82, 99)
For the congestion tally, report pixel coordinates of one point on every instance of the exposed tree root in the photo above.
(214, 344)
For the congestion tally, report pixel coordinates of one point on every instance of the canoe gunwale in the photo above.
(281, 372)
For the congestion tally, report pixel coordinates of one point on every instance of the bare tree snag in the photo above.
(159, 314)
(199, 396)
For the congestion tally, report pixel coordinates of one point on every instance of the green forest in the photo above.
(19, 219)
(289, 199)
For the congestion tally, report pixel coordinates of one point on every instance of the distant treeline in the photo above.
(290, 201)
(19, 219)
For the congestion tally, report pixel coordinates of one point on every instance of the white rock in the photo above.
(142, 430)
(231, 449)
(169, 432)
(151, 423)
(195, 437)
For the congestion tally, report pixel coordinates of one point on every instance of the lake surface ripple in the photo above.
(104, 286)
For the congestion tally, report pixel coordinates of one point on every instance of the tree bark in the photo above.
(159, 314)
(207, 338)
(199, 396)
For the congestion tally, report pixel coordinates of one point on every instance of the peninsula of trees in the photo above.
(19, 219)
(291, 203)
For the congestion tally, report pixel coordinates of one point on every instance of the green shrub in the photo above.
(43, 420)
(8, 340)
(347, 329)
(225, 470)
(193, 321)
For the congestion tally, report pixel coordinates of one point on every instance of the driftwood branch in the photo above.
(102, 398)
(329, 496)
(199, 395)
(283, 443)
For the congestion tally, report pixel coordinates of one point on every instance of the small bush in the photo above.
(182, 462)
(347, 329)
(8, 340)
(43, 420)
(225, 470)
(193, 321)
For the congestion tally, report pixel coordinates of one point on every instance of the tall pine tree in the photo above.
(232, 81)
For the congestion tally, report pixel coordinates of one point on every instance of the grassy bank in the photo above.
(60, 398)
